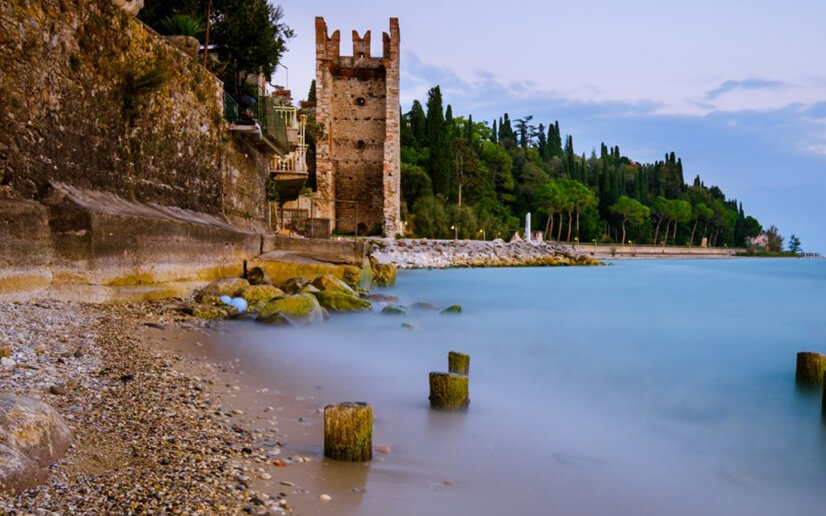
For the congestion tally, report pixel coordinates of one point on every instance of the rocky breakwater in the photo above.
(439, 254)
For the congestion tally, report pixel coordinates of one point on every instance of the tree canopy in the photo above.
(502, 169)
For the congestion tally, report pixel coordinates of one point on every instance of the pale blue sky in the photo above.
(736, 88)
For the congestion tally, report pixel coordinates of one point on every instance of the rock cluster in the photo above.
(297, 302)
(437, 254)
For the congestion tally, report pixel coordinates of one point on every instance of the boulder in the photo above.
(221, 287)
(453, 309)
(423, 305)
(297, 309)
(258, 276)
(383, 298)
(394, 310)
(32, 435)
(259, 295)
(384, 274)
(329, 283)
(338, 301)
(294, 285)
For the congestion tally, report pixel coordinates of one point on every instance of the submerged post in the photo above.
(458, 363)
(810, 368)
(348, 431)
(449, 391)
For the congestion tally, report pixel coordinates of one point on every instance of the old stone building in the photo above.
(357, 156)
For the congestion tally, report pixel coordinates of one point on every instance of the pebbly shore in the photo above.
(150, 431)
(440, 254)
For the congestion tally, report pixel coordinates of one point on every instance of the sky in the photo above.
(736, 89)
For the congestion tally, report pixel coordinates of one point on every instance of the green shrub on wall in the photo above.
(137, 87)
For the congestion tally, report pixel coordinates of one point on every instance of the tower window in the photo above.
(361, 55)
(360, 101)
(360, 145)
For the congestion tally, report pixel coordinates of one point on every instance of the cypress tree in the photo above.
(311, 95)
(418, 125)
(494, 135)
(439, 162)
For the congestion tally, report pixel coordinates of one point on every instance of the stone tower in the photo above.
(358, 154)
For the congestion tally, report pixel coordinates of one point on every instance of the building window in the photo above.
(360, 101)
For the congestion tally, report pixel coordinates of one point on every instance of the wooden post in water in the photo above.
(449, 390)
(458, 363)
(810, 368)
(348, 431)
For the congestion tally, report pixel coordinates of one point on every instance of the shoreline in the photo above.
(151, 432)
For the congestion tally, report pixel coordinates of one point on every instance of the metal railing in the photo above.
(230, 108)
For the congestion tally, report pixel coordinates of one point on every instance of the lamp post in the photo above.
(483, 234)
(455, 232)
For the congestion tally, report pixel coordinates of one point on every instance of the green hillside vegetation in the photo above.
(483, 178)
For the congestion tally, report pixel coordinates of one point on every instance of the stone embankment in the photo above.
(439, 254)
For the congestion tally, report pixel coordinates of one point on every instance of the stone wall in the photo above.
(357, 158)
(95, 99)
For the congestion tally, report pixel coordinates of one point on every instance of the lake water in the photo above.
(641, 388)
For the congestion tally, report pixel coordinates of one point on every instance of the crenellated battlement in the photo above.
(328, 47)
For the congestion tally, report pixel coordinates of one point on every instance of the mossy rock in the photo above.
(453, 309)
(342, 302)
(297, 309)
(274, 319)
(811, 368)
(221, 287)
(409, 326)
(294, 285)
(329, 283)
(258, 276)
(394, 310)
(449, 391)
(259, 295)
(384, 274)
(282, 272)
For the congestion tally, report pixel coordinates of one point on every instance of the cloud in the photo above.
(748, 84)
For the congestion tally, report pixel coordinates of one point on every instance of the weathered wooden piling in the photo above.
(458, 363)
(449, 390)
(348, 431)
(810, 368)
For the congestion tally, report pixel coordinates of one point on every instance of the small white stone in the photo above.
(325, 497)
(265, 476)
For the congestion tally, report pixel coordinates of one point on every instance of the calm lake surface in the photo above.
(641, 388)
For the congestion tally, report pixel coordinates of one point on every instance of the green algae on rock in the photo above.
(384, 274)
(330, 283)
(449, 391)
(297, 309)
(342, 302)
(348, 431)
(259, 295)
(453, 309)
(458, 363)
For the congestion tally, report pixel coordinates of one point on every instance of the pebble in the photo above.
(325, 498)
(58, 390)
(265, 476)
